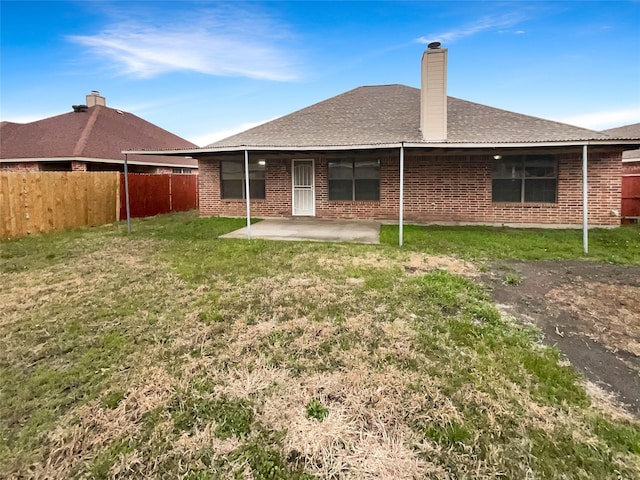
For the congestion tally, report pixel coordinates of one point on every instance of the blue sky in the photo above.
(205, 69)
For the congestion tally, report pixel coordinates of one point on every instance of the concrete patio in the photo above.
(312, 229)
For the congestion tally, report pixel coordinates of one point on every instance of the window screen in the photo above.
(351, 179)
(233, 180)
(525, 179)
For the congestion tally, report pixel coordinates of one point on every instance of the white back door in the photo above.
(304, 191)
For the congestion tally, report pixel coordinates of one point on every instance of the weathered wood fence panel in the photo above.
(184, 192)
(37, 202)
(630, 197)
(151, 195)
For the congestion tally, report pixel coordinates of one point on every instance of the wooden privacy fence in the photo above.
(37, 202)
(630, 197)
(154, 194)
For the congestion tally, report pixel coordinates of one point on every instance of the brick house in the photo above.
(394, 152)
(90, 138)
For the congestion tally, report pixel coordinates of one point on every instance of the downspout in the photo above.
(401, 209)
(585, 202)
(247, 195)
(126, 193)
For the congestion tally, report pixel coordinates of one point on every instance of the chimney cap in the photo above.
(95, 92)
(434, 45)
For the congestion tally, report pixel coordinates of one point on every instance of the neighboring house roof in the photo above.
(627, 131)
(99, 133)
(390, 114)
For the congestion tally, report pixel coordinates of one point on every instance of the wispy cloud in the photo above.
(497, 23)
(22, 118)
(212, 42)
(605, 119)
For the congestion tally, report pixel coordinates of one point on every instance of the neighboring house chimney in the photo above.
(433, 94)
(94, 99)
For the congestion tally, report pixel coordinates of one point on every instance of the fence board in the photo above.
(35, 202)
(151, 195)
(184, 192)
(630, 196)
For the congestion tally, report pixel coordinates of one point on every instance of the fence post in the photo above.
(126, 193)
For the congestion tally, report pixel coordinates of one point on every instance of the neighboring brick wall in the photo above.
(19, 167)
(78, 166)
(437, 189)
(631, 168)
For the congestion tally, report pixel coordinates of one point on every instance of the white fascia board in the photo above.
(94, 160)
(262, 148)
(568, 143)
(167, 153)
(373, 146)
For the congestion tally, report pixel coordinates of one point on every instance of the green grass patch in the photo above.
(470, 322)
(204, 347)
(267, 463)
(315, 409)
(45, 250)
(231, 417)
(617, 245)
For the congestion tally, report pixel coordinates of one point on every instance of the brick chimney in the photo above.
(433, 94)
(94, 99)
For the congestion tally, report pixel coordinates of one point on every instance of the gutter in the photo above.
(374, 146)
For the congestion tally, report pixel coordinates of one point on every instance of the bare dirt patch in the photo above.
(590, 311)
(610, 312)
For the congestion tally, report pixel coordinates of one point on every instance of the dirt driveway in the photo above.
(590, 311)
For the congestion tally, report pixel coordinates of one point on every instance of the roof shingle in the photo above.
(390, 114)
(100, 132)
(626, 132)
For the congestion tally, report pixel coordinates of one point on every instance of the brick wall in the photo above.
(19, 167)
(278, 192)
(78, 166)
(437, 189)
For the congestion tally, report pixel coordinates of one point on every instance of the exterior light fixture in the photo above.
(262, 162)
(497, 157)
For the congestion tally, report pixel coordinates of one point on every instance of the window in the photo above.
(232, 178)
(525, 179)
(354, 179)
(181, 170)
(55, 166)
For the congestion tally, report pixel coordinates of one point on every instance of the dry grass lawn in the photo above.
(171, 354)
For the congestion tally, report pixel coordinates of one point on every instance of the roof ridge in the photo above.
(86, 132)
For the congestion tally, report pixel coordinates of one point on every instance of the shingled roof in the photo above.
(99, 133)
(628, 131)
(390, 114)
